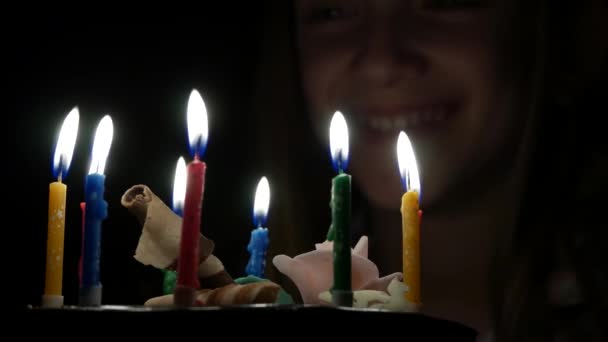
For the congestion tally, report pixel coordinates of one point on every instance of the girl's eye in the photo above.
(328, 14)
(445, 5)
(324, 12)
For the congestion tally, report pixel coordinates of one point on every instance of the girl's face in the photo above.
(431, 68)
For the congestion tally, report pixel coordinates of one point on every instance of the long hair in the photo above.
(567, 65)
(291, 156)
(300, 167)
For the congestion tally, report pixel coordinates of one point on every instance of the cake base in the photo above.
(259, 320)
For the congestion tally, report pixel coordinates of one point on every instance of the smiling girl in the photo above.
(471, 82)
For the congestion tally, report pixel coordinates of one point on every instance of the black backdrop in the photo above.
(139, 69)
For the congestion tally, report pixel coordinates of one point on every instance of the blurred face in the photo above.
(431, 68)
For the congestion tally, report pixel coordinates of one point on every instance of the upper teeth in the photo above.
(405, 120)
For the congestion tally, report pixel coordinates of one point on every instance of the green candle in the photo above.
(339, 231)
(179, 194)
(169, 279)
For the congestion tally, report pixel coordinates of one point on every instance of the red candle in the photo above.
(187, 266)
(188, 260)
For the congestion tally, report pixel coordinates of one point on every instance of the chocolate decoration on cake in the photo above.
(158, 244)
(263, 292)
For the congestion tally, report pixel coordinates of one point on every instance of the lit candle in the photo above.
(339, 231)
(411, 216)
(179, 193)
(96, 210)
(179, 186)
(56, 220)
(259, 237)
(187, 264)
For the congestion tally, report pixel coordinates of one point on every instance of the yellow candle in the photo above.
(410, 214)
(56, 220)
(411, 245)
(54, 246)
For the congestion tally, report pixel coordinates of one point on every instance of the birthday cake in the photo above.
(311, 272)
(251, 300)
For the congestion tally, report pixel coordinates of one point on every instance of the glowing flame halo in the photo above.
(65, 144)
(179, 185)
(261, 202)
(101, 145)
(408, 167)
(338, 141)
(198, 126)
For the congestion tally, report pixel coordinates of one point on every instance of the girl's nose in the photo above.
(387, 53)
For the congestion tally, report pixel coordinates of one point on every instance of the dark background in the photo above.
(140, 69)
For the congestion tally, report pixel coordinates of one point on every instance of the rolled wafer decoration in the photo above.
(160, 237)
(264, 292)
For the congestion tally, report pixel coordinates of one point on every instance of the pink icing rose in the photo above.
(312, 272)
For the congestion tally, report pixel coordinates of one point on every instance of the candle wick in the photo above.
(60, 167)
(59, 177)
(198, 147)
(339, 162)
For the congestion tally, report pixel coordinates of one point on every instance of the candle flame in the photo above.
(338, 141)
(408, 167)
(198, 128)
(261, 203)
(65, 144)
(179, 185)
(101, 145)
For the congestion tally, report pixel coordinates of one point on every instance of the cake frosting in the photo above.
(158, 246)
(245, 290)
(312, 273)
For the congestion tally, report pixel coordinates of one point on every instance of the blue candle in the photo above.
(257, 248)
(96, 210)
(258, 244)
